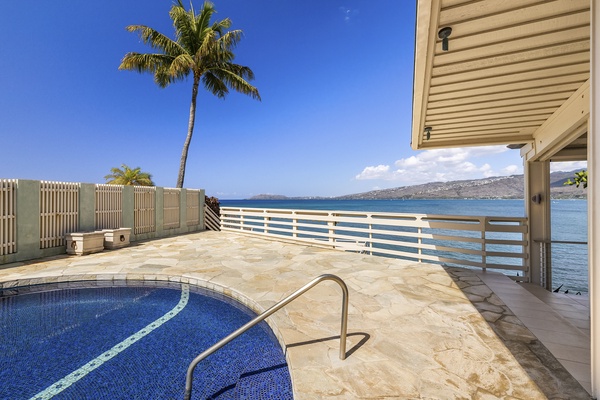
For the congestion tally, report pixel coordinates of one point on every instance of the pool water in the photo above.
(133, 342)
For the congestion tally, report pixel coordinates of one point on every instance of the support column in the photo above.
(594, 199)
(537, 211)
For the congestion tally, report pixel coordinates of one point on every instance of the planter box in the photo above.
(116, 238)
(80, 243)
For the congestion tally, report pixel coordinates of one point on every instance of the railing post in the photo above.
(331, 225)
(294, 226)
(483, 245)
(420, 243)
(370, 239)
(543, 255)
(266, 221)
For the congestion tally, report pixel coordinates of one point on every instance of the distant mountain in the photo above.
(269, 197)
(500, 187)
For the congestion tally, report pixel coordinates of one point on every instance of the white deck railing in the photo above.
(483, 242)
(8, 209)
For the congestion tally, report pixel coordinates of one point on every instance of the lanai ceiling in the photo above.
(516, 72)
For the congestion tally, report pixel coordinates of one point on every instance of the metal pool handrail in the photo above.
(267, 313)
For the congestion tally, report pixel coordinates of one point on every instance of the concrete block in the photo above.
(80, 243)
(116, 238)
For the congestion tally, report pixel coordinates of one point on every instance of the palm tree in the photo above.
(199, 48)
(129, 177)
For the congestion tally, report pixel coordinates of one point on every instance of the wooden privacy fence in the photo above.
(483, 242)
(193, 207)
(36, 216)
(109, 206)
(8, 226)
(171, 208)
(144, 209)
(59, 212)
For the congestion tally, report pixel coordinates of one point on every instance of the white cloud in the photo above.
(511, 170)
(378, 172)
(348, 13)
(444, 165)
(567, 166)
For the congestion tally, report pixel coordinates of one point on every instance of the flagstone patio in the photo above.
(413, 332)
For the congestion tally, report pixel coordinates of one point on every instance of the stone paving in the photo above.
(413, 333)
(554, 380)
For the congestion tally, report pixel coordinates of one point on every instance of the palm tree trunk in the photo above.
(188, 139)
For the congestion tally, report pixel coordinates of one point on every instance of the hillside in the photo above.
(501, 187)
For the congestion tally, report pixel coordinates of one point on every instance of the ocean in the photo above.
(569, 223)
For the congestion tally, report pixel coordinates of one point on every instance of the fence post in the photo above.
(201, 203)
(128, 207)
(28, 219)
(87, 207)
(159, 212)
(183, 227)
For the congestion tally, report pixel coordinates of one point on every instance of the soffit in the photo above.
(510, 65)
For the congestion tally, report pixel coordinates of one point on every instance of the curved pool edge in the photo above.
(197, 281)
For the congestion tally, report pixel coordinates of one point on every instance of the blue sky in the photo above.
(335, 77)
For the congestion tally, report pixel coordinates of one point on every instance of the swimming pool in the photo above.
(133, 341)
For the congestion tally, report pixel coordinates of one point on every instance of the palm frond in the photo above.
(230, 39)
(215, 85)
(221, 26)
(206, 47)
(157, 40)
(162, 77)
(181, 66)
(184, 28)
(233, 76)
(203, 20)
(144, 62)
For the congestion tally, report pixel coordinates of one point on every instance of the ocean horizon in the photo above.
(568, 218)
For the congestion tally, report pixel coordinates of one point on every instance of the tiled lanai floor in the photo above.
(560, 321)
(415, 330)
